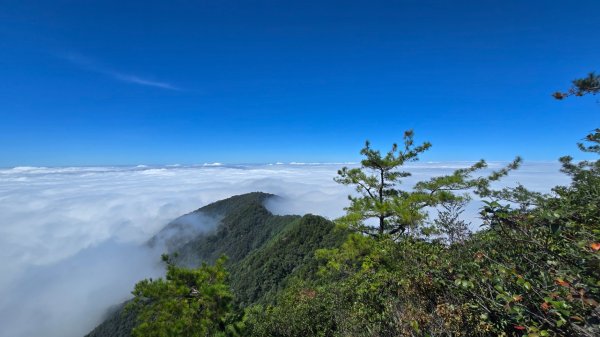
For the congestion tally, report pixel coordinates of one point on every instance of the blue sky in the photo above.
(162, 82)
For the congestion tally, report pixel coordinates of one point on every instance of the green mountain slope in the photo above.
(264, 250)
(243, 228)
(264, 271)
(118, 323)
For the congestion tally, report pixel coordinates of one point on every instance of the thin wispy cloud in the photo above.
(142, 81)
(94, 66)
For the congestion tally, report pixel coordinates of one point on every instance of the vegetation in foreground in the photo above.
(533, 269)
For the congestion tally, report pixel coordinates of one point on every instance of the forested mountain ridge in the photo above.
(245, 225)
(206, 221)
(263, 250)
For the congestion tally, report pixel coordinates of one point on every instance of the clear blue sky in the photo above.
(162, 82)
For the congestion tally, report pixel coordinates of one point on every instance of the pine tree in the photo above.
(581, 86)
(398, 211)
(449, 223)
(189, 302)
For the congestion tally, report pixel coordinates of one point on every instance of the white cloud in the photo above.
(91, 65)
(141, 81)
(71, 236)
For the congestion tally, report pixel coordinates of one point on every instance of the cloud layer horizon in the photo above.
(73, 237)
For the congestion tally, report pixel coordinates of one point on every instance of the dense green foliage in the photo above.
(260, 275)
(188, 302)
(532, 270)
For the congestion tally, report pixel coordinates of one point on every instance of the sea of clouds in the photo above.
(73, 238)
